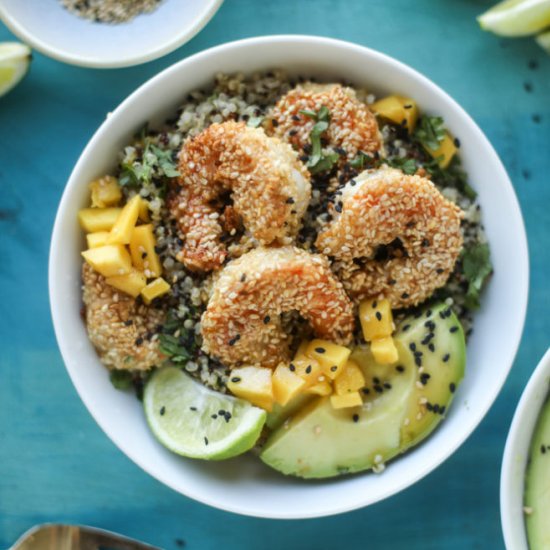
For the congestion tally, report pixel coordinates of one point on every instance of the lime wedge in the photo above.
(194, 421)
(543, 40)
(15, 59)
(516, 17)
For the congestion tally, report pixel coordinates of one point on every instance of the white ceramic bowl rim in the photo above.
(516, 453)
(353, 492)
(163, 48)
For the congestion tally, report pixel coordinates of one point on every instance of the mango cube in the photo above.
(99, 238)
(301, 352)
(142, 249)
(376, 319)
(384, 350)
(109, 260)
(253, 384)
(154, 289)
(144, 211)
(398, 109)
(345, 401)
(132, 283)
(446, 150)
(93, 220)
(351, 379)
(321, 388)
(286, 384)
(307, 369)
(105, 191)
(330, 356)
(121, 232)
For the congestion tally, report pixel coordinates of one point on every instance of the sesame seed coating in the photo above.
(278, 280)
(118, 324)
(261, 173)
(379, 239)
(352, 128)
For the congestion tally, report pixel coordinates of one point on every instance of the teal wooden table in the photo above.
(56, 464)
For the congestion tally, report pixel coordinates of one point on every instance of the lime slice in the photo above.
(14, 64)
(516, 17)
(191, 420)
(543, 40)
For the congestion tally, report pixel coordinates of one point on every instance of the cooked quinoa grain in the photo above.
(110, 11)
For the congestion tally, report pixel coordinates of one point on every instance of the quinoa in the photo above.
(110, 11)
(146, 165)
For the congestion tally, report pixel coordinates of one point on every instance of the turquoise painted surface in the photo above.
(55, 463)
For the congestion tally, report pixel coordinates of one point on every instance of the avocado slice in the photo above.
(537, 484)
(403, 403)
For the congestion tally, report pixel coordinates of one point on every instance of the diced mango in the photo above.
(350, 380)
(286, 384)
(105, 191)
(330, 356)
(109, 260)
(93, 220)
(301, 352)
(446, 150)
(132, 283)
(321, 388)
(99, 238)
(345, 401)
(154, 289)
(398, 109)
(384, 350)
(142, 249)
(376, 319)
(306, 368)
(253, 384)
(121, 232)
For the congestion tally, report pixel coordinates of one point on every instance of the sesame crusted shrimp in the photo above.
(393, 236)
(269, 186)
(352, 128)
(118, 326)
(242, 323)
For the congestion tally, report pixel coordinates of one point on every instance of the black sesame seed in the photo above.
(275, 122)
(338, 207)
(425, 243)
(206, 441)
(452, 387)
(375, 304)
(418, 360)
(143, 255)
(139, 341)
(366, 391)
(128, 323)
(376, 380)
(194, 409)
(234, 340)
(267, 318)
(356, 418)
(441, 409)
(292, 132)
(424, 377)
(292, 367)
(308, 369)
(446, 357)
(406, 328)
(436, 408)
(405, 295)
(412, 346)
(407, 106)
(400, 368)
(290, 200)
(162, 410)
(457, 143)
(429, 406)
(431, 347)
(213, 416)
(543, 449)
(387, 385)
(439, 270)
(352, 182)
(429, 313)
(430, 325)
(334, 368)
(378, 389)
(378, 315)
(221, 412)
(320, 350)
(235, 379)
(296, 118)
(243, 277)
(453, 329)
(391, 282)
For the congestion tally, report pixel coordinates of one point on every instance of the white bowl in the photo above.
(244, 485)
(516, 453)
(54, 31)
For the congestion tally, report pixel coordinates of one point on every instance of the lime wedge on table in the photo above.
(14, 64)
(543, 40)
(191, 420)
(516, 17)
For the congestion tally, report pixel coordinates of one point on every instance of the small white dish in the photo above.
(244, 485)
(516, 453)
(52, 30)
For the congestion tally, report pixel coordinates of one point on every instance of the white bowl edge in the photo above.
(455, 116)
(516, 453)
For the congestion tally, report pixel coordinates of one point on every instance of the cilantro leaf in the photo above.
(121, 379)
(360, 160)
(407, 165)
(476, 267)
(430, 131)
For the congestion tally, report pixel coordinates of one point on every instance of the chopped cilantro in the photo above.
(407, 165)
(476, 267)
(360, 160)
(430, 131)
(121, 379)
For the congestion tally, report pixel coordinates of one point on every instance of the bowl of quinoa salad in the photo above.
(291, 98)
(106, 33)
(523, 476)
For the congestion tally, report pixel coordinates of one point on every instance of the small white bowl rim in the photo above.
(164, 48)
(518, 443)
(507, 188)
